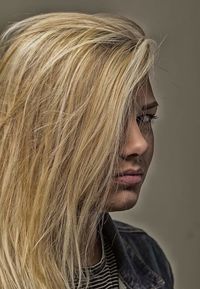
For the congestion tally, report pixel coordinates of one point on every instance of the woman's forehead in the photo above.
(144, 96)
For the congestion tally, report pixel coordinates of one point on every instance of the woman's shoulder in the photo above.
(140, 240)
(148, 249)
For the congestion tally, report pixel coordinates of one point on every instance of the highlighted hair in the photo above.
(67, 83)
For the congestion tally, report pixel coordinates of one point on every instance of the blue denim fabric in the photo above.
(141, 262)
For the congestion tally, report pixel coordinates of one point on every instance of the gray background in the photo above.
(168, 207)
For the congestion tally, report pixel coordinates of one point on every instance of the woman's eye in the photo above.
(146, 118)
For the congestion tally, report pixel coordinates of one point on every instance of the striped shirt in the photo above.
(104, 274)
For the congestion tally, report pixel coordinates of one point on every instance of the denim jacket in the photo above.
(141, 262)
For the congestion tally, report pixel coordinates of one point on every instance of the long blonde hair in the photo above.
(67, 83)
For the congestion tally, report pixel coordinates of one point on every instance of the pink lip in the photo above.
(129, 179)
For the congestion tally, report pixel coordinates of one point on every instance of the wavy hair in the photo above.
(67, 86)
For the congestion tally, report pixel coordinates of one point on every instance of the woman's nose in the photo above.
(135, 141)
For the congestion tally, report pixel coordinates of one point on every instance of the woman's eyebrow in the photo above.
(150, 105)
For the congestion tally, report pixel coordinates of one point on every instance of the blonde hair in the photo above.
(67, 83)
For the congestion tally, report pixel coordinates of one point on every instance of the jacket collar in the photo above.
(134, 273)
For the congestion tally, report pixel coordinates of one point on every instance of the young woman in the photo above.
(76, 142)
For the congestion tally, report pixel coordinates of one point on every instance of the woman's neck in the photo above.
(95, 254)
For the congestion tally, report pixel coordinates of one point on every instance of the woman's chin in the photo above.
(123, 199)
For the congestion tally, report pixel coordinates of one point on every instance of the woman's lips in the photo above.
(128, 179)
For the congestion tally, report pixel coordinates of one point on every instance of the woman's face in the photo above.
(138, 150)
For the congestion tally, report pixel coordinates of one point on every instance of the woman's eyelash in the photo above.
(150, 117)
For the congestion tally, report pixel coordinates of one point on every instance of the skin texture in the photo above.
(137, 153)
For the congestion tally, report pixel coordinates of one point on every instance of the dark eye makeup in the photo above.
(146, 118)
